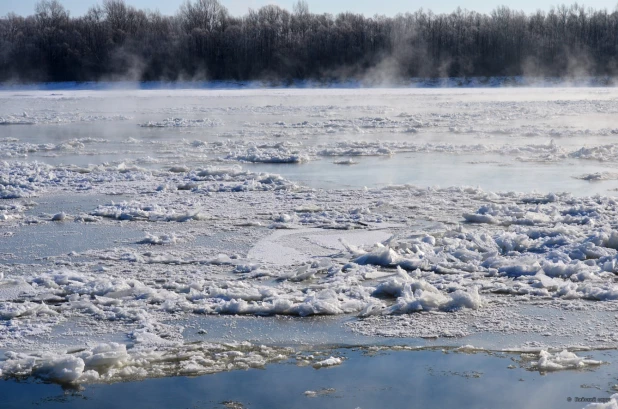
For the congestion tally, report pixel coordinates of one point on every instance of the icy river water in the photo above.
(309, 248)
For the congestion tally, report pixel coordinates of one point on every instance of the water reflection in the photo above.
(393, 379)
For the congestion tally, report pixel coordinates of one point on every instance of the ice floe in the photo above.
(113, 362)
(562, 360)
(214, 238)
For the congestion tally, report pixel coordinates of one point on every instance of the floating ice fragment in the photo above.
(345, 162)
(611, 404)
(59, 217)
(332, 361)
(164, 239)
(562, 360)
(62, 370)
(598, 176)
(113, 362)
(379, 256)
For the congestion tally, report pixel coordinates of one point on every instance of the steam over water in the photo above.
(158, 233)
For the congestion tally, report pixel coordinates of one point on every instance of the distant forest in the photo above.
(115, 41)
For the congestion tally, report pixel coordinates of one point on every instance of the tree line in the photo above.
(115, 41)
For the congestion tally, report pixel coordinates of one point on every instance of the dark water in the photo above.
(394, 379)
(413, 82)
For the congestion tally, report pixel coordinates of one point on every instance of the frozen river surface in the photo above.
(156, 234)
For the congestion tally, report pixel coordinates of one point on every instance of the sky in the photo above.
(367, 7)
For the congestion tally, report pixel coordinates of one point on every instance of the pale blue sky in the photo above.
(367, 7)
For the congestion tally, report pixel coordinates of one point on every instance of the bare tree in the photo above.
(116, 13)
(204, 41)
(51, 13)
(301, 8)
(204, 14)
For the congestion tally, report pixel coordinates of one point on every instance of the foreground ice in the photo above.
(464, 269)
(215, 237)
(114, 362)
